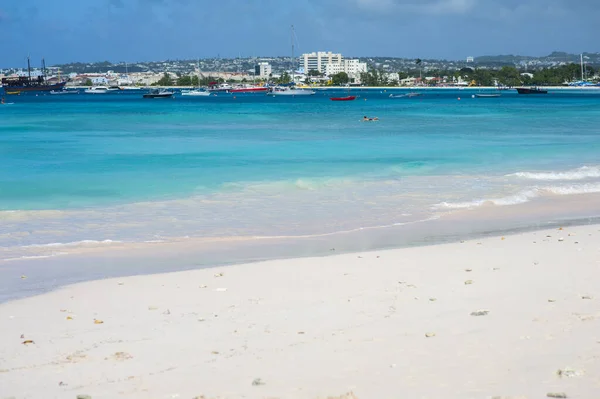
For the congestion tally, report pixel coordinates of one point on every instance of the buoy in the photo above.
(458, 98)
(473, 96)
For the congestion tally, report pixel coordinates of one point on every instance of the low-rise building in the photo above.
(263, 70)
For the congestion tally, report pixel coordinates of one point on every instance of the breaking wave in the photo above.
(585, 172)
(523, 196)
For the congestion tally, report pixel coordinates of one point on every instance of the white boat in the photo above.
(98, 90)
(223, 87)
(287, 91)
(196, 92)
(130, 88)
(64, 91)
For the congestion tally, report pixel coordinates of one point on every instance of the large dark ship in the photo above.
(19, 84)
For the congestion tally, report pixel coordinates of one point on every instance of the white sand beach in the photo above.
(501, 317)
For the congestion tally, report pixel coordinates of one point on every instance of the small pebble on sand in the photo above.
(482, 312)
(468, 282)
(556, 395)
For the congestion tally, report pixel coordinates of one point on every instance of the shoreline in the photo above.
(53, 267)
(324, 326)
(460, 88)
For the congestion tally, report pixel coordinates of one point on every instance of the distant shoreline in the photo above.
(565, 88)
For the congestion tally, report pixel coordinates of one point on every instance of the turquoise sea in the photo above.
(95, 170)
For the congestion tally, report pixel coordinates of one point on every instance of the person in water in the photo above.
(367, 119)
(2, 101)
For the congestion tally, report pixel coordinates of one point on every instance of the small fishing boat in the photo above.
(486, 95)
(157, 93)
(531, 90)
(64, 91)
(407, 95)
(347, 98)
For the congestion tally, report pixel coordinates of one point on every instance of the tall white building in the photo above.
(330, 63)
(317, 61)
(263, 69)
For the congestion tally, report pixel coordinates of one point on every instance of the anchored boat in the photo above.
(19, 84)
(156, 93)
(347, 98)
(531, 90)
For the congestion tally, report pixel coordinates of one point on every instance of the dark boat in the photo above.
(159, 94)
(28, 83)
(531, 90)
(347, 98)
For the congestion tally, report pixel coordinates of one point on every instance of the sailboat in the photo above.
(290, 90)
(197, 92)
(28, 83)
(129, 82)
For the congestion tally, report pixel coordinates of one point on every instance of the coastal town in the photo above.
(326, 68)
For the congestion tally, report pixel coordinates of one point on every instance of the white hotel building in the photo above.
(330, 63)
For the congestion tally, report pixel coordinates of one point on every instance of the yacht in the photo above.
(196, 92)
(223, 87)
(288, 91)
(98, 90)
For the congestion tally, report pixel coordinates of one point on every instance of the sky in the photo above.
(144, 30)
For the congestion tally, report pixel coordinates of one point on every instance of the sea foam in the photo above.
(585, 172)
(523, 196)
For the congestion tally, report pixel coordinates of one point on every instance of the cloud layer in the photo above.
(128, 30)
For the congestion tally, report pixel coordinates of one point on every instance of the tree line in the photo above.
(505, 76)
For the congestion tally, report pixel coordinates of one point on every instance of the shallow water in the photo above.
(99, 170)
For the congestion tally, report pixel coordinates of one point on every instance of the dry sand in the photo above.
(496, 317)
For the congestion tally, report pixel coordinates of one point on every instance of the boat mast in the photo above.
(29, 67)
(582, 73)
(44, 69)
(292, 60)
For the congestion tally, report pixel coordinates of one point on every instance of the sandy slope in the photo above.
(319, 327)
